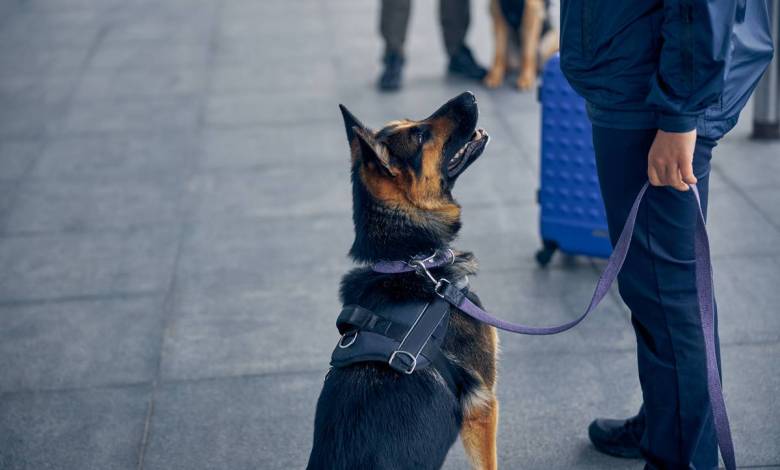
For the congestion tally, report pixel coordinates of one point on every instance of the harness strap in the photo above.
(356, 317)
(404, 359)
(408, 342)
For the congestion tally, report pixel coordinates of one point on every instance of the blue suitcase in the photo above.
(572, 215)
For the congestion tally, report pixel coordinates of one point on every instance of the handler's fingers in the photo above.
(671, 177)
(652, 175)
(677, 182)
(686, 170)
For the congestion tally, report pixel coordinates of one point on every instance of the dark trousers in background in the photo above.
(658, 284)
(394, 20)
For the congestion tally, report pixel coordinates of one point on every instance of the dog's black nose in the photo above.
(467, 98)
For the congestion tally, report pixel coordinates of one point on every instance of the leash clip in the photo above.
(420, 268)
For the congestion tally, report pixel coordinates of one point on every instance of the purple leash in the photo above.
(704, 289)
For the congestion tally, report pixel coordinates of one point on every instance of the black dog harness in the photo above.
(405, 335)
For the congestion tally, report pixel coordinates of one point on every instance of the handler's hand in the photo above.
(670, 161)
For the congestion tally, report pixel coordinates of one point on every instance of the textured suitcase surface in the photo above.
(572, 211)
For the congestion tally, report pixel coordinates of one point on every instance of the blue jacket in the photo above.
(674, 65)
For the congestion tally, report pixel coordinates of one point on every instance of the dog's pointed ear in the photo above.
(364, 145)
(350, 121)
(373, 150)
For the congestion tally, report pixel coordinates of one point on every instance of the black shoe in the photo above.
(390, 80)
(618, 437)
(462, 63)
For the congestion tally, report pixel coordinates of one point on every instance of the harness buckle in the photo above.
(407, 370)
(352, 338)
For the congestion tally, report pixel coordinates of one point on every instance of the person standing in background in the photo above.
(663, 81)
(393, 24)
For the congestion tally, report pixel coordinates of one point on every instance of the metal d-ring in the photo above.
(407, 354)
(352, 339)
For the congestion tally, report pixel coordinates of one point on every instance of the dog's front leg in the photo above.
(480, 426)
(495, 76)
(531, 30)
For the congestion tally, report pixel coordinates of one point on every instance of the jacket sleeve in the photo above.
(693, 60)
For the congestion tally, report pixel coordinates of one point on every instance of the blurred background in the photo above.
(175, 212)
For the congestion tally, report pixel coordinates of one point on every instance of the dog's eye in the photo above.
(420, 136)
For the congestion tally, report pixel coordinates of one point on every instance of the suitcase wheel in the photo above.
(545, 254)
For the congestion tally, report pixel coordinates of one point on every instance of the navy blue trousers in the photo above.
(658, 285)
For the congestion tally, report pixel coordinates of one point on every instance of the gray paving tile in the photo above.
(279, 108)
(42, 89)
(750, 383)
(107, 156)
(95, 429)
(68, 6)
(78, 344)
(51, 206)
(747, 294)
(8, 9)
(7, 192)
(249, 253)
(293, 76)
(267, 423)
(162, 22)
(245, 50)
(547, 402)
(496, 181)
(768, 202)
(737, 228)
(150, 54)
(41, 60)
(748, 163)
(277, 191)
(151, 114)
(297, 146)
(503, 236)
(50, 266)
(16, 157)
(119, 83)
(239, 22)
(248, 330)
(24, 119)
(71, 28)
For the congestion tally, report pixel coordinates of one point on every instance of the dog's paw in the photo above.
(526, 81)
(494, 78)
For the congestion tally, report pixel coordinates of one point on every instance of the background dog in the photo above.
(368, 415)
(526, 35)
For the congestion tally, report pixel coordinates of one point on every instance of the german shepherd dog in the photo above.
(368, 415)
(529, 27)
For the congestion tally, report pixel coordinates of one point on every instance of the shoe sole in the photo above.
(621, 452)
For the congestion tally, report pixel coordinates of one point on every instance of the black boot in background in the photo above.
(390, 80)
(462, 63)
